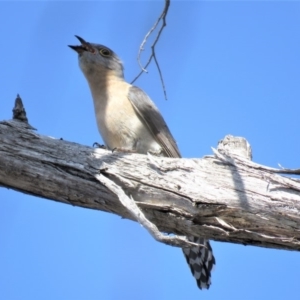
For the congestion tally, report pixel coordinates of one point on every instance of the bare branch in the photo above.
(153, 54)
(218, 197)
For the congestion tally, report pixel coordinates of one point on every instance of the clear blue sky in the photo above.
(229, 68)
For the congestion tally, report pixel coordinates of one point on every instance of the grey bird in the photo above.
(128, 119)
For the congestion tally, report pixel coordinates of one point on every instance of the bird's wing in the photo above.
(149, 113)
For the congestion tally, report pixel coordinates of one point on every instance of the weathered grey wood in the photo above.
(221, 198)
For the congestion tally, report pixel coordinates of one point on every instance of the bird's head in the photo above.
(96, 58)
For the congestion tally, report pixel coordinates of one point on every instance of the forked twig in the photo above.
(153, 55)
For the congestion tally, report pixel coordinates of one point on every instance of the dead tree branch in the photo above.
(221, 197)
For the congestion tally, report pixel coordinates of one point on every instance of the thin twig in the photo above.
(153, 55)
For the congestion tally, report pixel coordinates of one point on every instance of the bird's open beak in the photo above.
(85, 46)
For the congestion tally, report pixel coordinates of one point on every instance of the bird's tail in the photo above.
(201, 261)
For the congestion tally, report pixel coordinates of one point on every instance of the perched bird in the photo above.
(128, 119)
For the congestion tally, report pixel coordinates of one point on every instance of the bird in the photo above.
(129, 120)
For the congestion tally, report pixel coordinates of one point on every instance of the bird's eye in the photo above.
(104, 52)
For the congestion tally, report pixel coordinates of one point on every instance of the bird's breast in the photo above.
(117, 120)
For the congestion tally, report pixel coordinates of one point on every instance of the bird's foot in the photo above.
(97, 145)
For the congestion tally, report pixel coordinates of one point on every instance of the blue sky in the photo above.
(229, 67)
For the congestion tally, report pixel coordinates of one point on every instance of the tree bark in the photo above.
(229, 199)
